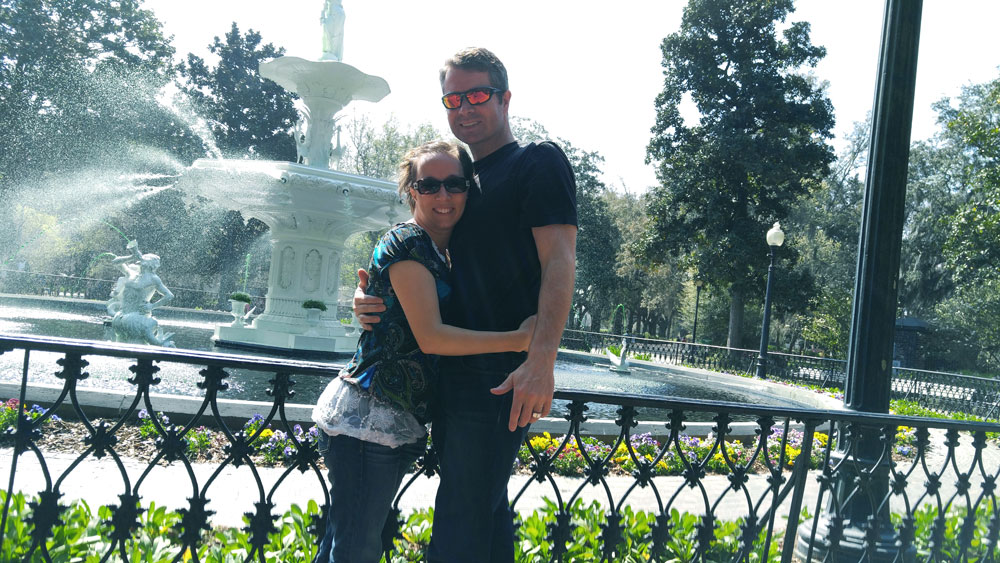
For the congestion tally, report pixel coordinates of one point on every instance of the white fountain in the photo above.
(309, 208)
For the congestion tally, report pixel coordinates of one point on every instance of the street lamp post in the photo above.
(775, 238)
(698, 284)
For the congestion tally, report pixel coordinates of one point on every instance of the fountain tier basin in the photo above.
(310, 213)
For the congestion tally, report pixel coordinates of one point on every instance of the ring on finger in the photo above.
(536, 415)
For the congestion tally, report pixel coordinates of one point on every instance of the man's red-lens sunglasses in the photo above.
(476, 96)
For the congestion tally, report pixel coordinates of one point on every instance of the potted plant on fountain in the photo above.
(238, 301)
(314, 308)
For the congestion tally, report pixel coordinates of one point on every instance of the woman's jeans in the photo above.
(364, 478)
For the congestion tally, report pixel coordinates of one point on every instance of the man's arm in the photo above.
(366, 306)
(533, 382)
(416, 289)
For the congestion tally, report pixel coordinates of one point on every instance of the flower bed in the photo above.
(563, 456)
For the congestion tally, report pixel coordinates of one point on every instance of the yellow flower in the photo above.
(266, 433)
(540, 443)
(187, 554)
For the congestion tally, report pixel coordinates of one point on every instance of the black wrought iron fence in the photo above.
(812, 485)
(944, 392)
(948, 392)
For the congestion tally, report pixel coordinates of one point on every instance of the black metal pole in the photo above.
(762, 356)
(866, 528)
(697, 299)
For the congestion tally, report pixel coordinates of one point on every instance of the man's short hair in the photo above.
(478, 59)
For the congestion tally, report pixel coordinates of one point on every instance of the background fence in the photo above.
(943, 392)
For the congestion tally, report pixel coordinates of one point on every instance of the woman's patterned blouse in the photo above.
(388, 362)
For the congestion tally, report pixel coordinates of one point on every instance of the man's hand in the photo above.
(366, 306)
(533, 382)
(533, 387)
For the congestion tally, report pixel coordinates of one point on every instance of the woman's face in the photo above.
(438, 212)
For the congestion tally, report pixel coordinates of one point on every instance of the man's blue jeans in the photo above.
(472, 517)
(364, 478)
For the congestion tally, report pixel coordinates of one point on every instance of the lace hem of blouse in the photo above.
(343, 409)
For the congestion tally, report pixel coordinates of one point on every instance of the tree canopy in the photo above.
(250, 116)
(75, 72)
(759, 142)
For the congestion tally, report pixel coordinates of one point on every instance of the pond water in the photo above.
(193, 330)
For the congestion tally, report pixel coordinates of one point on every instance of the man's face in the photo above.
(483, 127)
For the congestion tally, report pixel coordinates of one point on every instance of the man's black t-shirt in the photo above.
(496, 274)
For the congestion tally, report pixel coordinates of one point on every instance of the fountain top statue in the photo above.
(333, 31)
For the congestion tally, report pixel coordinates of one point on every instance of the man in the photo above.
(514, 255)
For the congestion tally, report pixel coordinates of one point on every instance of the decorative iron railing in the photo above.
(945, 392)
(810, 485)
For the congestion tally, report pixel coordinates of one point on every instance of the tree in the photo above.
(598, 237)
(73, 72)
(935, 187)
(758, 145)
(374, 152)
(972, 249)
(829, 219)
(250, 116)
(377, 152)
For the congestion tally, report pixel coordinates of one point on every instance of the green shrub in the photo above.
(314, 304)
(83, 536)
(240, 296)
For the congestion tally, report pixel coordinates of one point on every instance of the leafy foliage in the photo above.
(73, 72)
(972, 249)
(314, 304)
(8, 415)
(377, 152)
(240, 296)
(250, 116)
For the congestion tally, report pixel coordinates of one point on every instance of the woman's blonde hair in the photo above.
(408, 166)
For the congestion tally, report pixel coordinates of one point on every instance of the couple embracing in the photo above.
(465, 305)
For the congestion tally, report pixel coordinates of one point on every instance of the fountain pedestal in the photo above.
(310, 213)
(310, 209)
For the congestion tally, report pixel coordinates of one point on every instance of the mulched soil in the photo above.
(67, 437)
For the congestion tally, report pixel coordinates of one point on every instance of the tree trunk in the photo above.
(794, 338)
(736, 307)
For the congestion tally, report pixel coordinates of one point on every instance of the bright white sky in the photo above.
(585, 70)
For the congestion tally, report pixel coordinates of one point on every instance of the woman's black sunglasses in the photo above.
(452, 185)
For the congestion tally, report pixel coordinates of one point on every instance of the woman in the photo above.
(373, 415)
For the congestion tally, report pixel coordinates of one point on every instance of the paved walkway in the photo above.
(233, 491)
